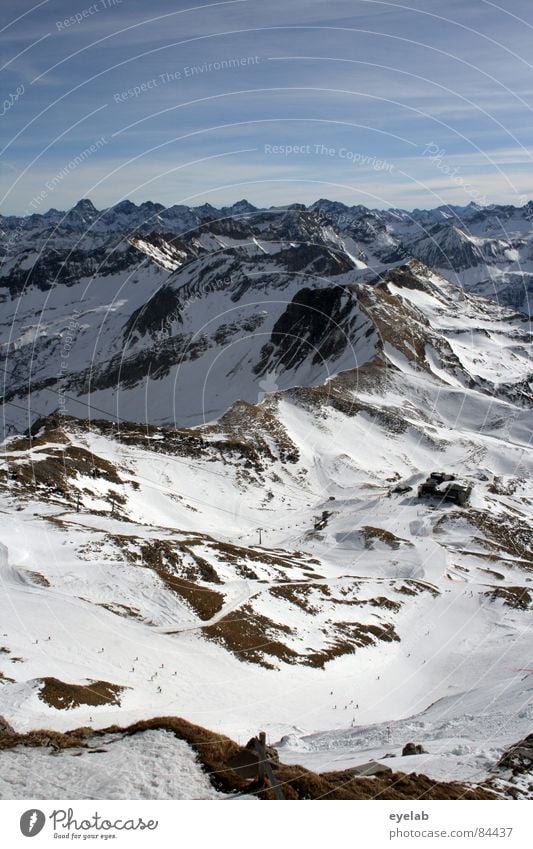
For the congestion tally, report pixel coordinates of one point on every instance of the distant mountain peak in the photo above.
(124, 206)
(242, 207)
(83, 205)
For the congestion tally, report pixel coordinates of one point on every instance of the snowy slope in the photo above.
(158, 586)
(463, 735)
(150, 765)
(135, 582)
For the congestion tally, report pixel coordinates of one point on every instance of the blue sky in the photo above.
(407, 104)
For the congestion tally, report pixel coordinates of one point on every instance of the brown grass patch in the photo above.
(505, 533)
(383, 603)
(412, 587)
(63, 696)
(518, 597)
(44, 737)
(234, 554)
(254, 637)
(121, 609)
(298, 594)
(54, 469)
(203, 600)
(166, 559)
(397, 786)
(251, 636)
(168, 554)
(38, 578)
(370, 534)
(354, 635)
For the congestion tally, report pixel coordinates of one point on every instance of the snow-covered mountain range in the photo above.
(216, 514)
(171, 315)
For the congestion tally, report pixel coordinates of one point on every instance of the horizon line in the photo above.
(272, 207)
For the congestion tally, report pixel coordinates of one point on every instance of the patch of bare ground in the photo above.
(5, 679)
(53, 470)
(412, 587)
(298, 594)
(383, 603)
(143, 435)
(176, 557)
(281, 563)
(165, 558)
(489, 556)
(203, 569)
(204, 601)
(370, 376)
(57, 521)
(38, 578)
(396, 786)
(181, 556)
(44, 737)
(339, 393)
(269, 436)
(370, 534)
(51, 433)
(215, 752)
(228, 439)
(63, 696)
(177, 567)
(179, 442)
(122, 610)
(246, 572)
(181, 568)
(398, 323)
(518, 597)
(354, 635)
(252, 637)
(256, 638)
(505, 533)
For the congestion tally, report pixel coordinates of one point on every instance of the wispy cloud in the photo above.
(374, 77)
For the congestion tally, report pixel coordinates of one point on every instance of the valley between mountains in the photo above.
(209, 490)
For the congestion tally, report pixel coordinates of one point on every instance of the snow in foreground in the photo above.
(148, 765)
